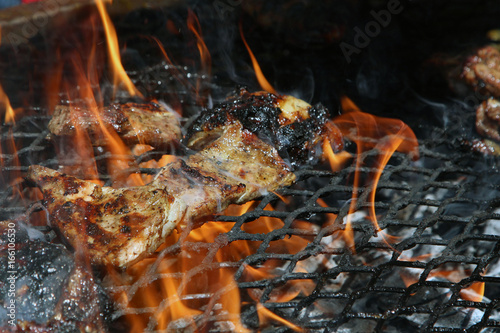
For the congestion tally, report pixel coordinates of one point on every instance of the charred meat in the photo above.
(147, 123)
(120, 226)
(238, 153)
(291, 125)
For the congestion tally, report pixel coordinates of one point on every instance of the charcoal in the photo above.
(42, 287)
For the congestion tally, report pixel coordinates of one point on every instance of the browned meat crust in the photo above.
(120, 226)
(488, 119)
(482, 71)
(147, 123)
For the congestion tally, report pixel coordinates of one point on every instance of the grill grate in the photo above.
(443, 211)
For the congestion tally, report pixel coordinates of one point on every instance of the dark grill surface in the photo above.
(442, 210)
(440, 214)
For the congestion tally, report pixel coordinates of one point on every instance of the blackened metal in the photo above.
(442, 210)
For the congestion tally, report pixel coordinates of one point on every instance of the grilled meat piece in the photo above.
(148, 123)
(291, 125)
(114, 225)
(488, 119)
(482, 71)
(120, 226)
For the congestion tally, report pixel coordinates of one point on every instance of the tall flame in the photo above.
(83, 71)
(258, 72)
(194, 26)
(205, 58)
(206, 266)
(119, 74)
(370, 132)
(5, 103)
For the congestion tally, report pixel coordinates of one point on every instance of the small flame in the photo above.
(195, 28)
(474, 292)
(258, 72)
(10, 115)
(5, 103)
(336, 160)
(265, 314)
(119, 74)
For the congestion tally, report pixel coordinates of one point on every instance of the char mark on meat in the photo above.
(291, 125)
(120, 226)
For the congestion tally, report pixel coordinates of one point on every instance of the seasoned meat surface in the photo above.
(488, 119)
(482, 71)
(120, 226)
(147, 123)
(235, 168)
(114, 226)
(291, 125)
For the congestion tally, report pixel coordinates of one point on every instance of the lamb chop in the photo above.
(147, 123)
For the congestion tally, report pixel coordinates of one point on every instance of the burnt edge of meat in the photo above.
(259, 113)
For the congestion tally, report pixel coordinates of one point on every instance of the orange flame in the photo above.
(474, 292)
(5, 103)
(10, 116)
(119, 74)
(195, 28)
(85, 75)
(205, 58)
(369, 132)
(336, 160)
(258, 72)
(119, 164)
(265, 314)
(204, 267)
